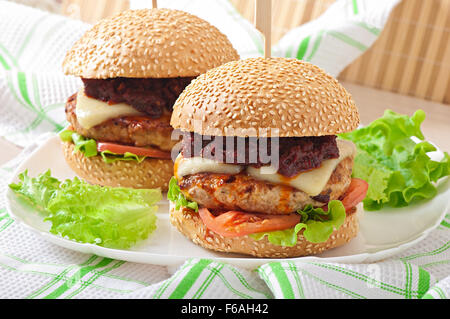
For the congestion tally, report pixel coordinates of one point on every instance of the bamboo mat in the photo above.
(411, 56)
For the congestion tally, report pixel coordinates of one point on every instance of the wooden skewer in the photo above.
(155, 4)
(263, 22)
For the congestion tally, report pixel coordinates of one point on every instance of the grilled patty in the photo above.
(243, 192)
(131, 130)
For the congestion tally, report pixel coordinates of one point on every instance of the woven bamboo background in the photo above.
(411, 56)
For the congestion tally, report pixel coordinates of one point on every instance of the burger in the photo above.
(133, 67)
(261, 170)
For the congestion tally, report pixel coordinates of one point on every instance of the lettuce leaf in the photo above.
(82, 144)
(89, 148)
(110, 157)
(174, 194)
(398, 170)
(114, 217)
(317, 229)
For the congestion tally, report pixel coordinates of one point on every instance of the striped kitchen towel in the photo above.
(339, 36)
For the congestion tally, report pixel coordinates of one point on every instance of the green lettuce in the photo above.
(316, 223)
(397, 169)
(174, 194)
(89, 148)
(113, 217)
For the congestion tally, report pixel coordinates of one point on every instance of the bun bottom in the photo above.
(150, 173)
(191, 226)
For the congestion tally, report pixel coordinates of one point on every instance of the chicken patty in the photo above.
(131, 130)
(243, 192)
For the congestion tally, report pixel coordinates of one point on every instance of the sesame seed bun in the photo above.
(149, 43)
(150, 173)
(236, 99)
(191, 226)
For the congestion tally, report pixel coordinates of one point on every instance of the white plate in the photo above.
(383, 233)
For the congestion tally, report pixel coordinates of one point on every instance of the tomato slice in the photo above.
(235, 223)
(140, 151)
(355, 194)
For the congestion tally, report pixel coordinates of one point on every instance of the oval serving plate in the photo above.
(382, 234)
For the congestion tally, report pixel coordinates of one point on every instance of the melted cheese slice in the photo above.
(91, 112)
(311, 182)
(188, 166)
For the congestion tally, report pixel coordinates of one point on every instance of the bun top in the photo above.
(239, 98)
(149, 43)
